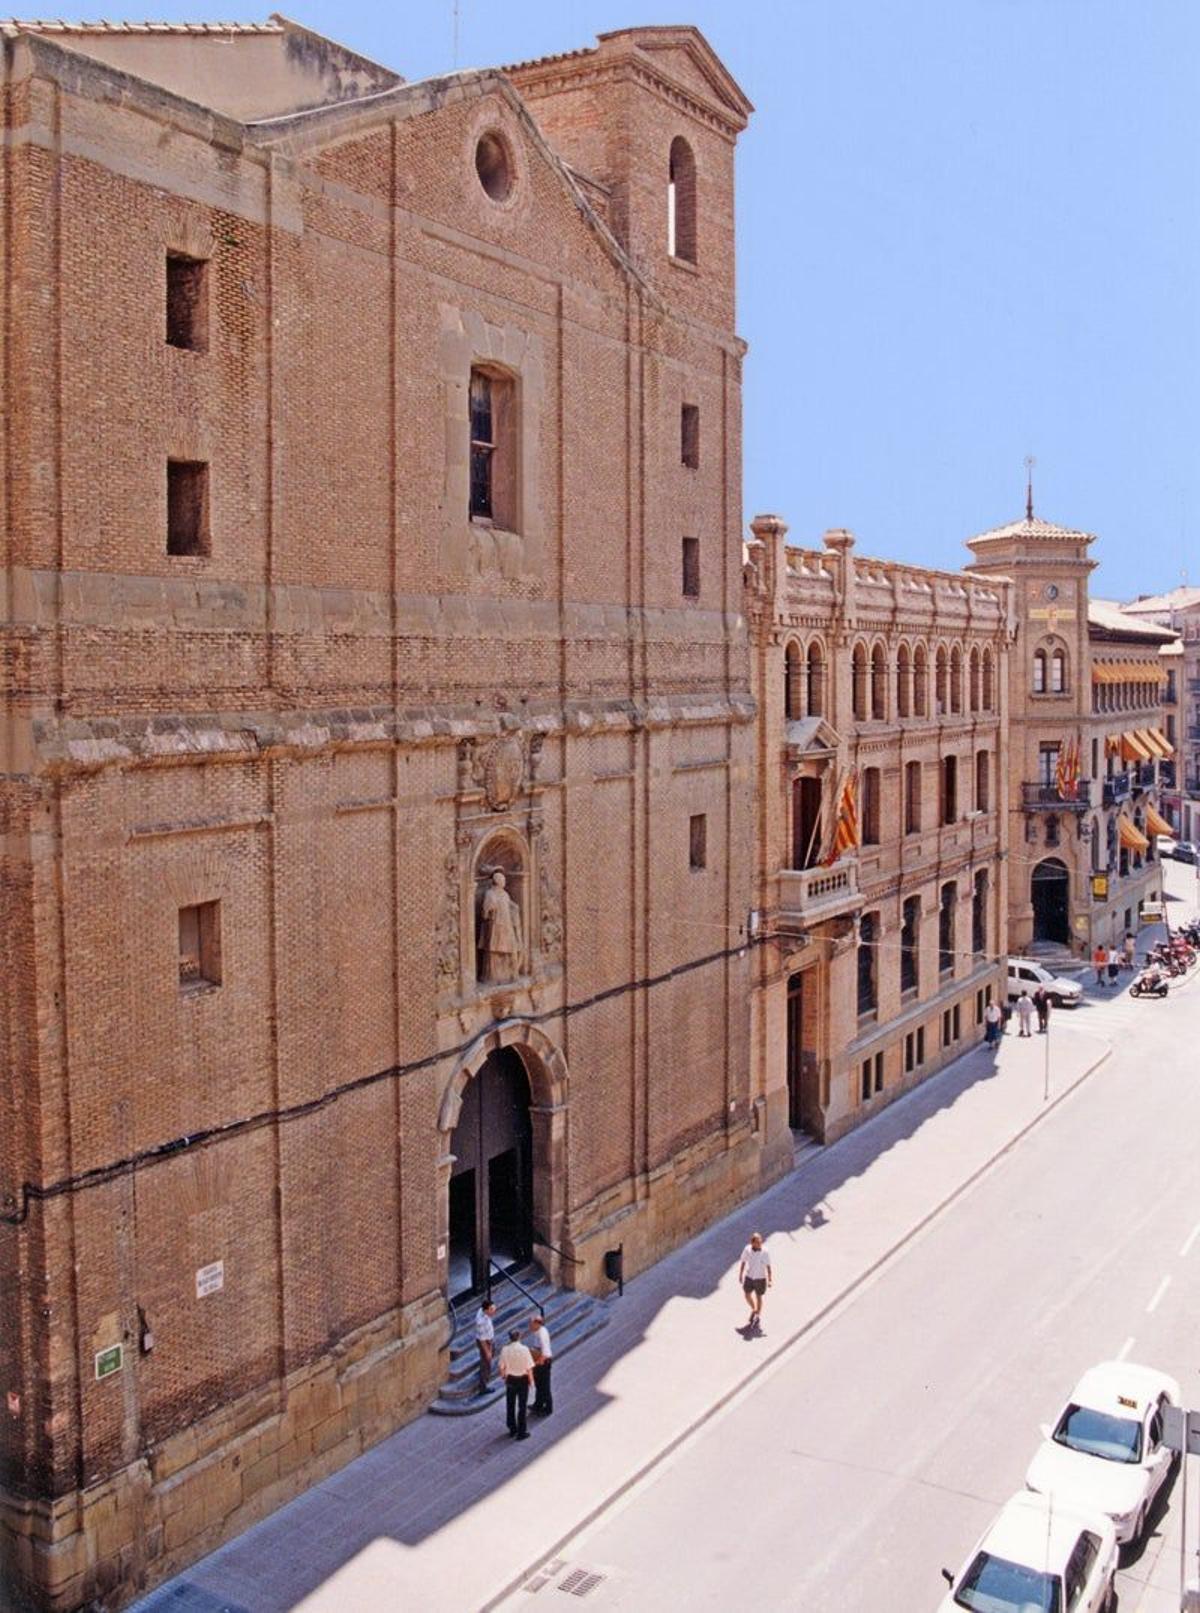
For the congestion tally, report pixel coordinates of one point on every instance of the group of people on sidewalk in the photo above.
(1107, 961)
(995, 1017)
(522, 1367)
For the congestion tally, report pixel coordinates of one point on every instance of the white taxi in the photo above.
(1037, 1557)
(1105, 1452)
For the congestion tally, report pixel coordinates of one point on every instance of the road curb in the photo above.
(840, 1298)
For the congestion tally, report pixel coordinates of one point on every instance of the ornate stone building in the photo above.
(376, 731)
(881, 691)
(1085, 717)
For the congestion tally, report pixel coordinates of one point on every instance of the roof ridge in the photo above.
(58, 26)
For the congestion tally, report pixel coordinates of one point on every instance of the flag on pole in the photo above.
(1066, 773)
(845, 836)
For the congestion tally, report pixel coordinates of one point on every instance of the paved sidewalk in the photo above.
(449, 1514)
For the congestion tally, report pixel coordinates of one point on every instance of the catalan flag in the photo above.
(1066, 774)
(845, 835)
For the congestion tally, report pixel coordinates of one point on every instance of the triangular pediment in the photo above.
(811, 737)
(689, 46)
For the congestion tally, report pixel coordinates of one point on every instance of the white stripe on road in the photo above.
(1192, 1236)
(1125, 1348)
(1158, 1294)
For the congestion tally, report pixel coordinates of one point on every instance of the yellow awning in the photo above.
(1156, 823)
(1165, 747)
(1128, 672)
(1104, 672)
(1132, 749)
(1130, 836)
(1146, 735)
(1112, 744)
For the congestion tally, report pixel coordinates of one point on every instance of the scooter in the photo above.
(1150, 983)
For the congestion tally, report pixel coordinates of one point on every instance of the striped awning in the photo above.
(1128, 672)
(1130, 836)
(1165, 747)
(1146, 735)
(1156, 823)
(1132, 748)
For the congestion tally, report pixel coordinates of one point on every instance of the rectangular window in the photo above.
(691, 568)
(910, 1053)
(868, 934)
(199, 946)
(187, 507)
(909, 941)
(920, 1045)
(870, 811)
(956, 1021)
(949, 789)
(946, 905)
(879, 1072)
(864, 1086)
(981, 781)
(689, 435)
(979, 896)
(980, 1005)
(698, 841)
(187, 302)
(912, 797)
(946, 1028)
(493, 427)
(1048, 764)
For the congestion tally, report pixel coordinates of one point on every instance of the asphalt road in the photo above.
(876, 1450)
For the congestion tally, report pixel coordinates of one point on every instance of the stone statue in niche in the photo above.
(499, 932)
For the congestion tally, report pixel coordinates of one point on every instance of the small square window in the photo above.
(689, 435)
(698, 841)
(200, 946)
(691, 568)
(187, 302)
(187, 507)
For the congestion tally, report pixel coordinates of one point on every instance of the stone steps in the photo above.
(571, 1317)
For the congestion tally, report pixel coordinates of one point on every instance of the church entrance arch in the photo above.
(1050, 891)
(503, 1118)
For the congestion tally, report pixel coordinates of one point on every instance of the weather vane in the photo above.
(1030, 462)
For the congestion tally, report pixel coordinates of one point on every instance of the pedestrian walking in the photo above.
(516, 1368)
(543, 1360)
(485, 1342)
(1099, 961)
(1114, 964)
(1024, 1013)
(1041, 1004)
(754, 1274)
(993, 1021)
(1130, 949)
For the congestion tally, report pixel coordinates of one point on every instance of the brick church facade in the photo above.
(377, 736)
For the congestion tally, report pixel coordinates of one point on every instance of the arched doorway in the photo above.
(491, 1178)
(1050, 890)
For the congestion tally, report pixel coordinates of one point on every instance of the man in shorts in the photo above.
(754, 1274)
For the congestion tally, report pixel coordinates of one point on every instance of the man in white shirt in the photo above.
(754, 1274)
(485, 1342)
(516, 1368)
(543, 1355)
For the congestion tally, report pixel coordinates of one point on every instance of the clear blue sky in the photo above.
(968, 232)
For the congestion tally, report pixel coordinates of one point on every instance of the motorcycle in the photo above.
(1150, 983)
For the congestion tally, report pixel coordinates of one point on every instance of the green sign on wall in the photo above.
(110, 1360)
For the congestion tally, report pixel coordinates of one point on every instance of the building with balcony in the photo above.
(1179, 609)
(1086, 740)
(879, 825)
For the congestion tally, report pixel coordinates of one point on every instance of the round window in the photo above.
(493, 166)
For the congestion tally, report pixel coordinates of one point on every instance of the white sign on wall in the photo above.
(210, 1279)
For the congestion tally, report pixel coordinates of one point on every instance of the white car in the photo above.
(1037, 1558)
(1105, 1452)
(1026, 975)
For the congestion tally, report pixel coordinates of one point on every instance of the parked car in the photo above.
(1026, 975)
(1105, 1452)
(1037, 1557)
(1183, 851)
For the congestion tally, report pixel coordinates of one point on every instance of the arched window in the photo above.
(920, 682)
(989, 689)
(939, 683)
(1039, 672)
(974, 680)
(903, 682)
(956, 679)
(1058, 672)
(878, 684)
(816, 681)
(793, 682)
(681, 201)
(858, 673)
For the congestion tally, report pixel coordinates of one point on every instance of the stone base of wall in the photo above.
(114, 1541)
(673, 1204)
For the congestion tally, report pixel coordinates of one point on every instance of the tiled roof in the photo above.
(1106, 614)
(40, 26)
(1030, 527)
(1178, 599)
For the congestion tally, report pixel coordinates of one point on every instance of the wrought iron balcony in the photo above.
(1116, 788)
(1045, 797)
(1143, 775)
(808, 895)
